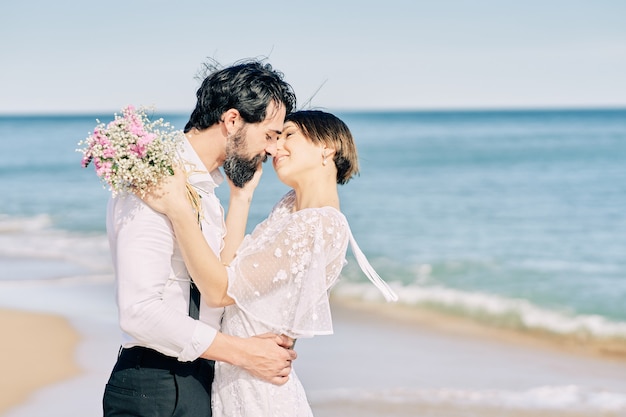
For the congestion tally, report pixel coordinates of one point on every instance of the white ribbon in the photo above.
(369, 271)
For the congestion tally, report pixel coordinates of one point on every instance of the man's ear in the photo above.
(232, 120)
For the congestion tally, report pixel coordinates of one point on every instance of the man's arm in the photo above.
(142, 245)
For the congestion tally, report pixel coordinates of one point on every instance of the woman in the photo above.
(280, 277)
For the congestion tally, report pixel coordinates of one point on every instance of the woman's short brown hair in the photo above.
(326, 128)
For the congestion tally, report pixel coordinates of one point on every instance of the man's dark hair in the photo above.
(247, 86)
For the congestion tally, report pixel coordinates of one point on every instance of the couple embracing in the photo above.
(209, 316)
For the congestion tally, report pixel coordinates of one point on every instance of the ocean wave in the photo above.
(34, 239)
(548, 398)
(12, 224)
(560, 265)
(71, 281)
(517, 314)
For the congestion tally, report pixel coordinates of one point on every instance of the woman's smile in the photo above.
(278, 159)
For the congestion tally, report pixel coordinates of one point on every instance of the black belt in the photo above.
(143, 357)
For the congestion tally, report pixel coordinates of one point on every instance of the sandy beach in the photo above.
(40, 351)
(379, 362)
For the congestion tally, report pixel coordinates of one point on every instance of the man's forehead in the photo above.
(275, 130)
(275, 118)
(275, 124)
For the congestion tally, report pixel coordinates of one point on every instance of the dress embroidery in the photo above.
(280, 281)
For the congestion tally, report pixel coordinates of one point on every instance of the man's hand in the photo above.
(269, 357)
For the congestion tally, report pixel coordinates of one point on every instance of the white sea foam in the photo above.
(68, 281)
(31, 240)
(549, 398)
(10, 224)
(494, 308)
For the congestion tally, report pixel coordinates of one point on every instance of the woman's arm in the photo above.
(207, 271)
(237, 217)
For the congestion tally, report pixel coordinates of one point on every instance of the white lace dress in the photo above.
(280, 281)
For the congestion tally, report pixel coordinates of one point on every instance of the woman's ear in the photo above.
(327, 153)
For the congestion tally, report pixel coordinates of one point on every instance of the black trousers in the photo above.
(146, 383)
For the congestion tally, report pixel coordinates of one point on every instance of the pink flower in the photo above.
(109, 152)
(101, 138)
(103, 168)
(136, 129)
(138, 149)
(86, 160)
(135, 124)
(141, 147)
(146, 139)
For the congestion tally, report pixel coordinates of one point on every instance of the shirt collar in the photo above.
(199, 176)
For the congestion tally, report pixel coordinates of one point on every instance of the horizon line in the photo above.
(53, 113)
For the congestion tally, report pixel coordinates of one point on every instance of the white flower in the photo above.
(280, 276)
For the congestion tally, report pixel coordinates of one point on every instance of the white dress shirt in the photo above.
(152, 281)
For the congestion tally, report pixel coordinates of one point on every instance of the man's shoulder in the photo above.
(123, 203)
(126, 208)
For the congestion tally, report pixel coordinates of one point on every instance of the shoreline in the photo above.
(40, 351)
(608, 349)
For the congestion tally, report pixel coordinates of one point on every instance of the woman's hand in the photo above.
(170, 194)
(246, 192)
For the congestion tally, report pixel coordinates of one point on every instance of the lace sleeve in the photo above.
(282, 275)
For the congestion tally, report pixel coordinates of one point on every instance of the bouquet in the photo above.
(132, 153)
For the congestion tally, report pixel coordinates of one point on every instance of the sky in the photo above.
(98, 56)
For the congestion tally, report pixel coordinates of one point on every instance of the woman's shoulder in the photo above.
(326, 222)
(326, 213)
(285, 204)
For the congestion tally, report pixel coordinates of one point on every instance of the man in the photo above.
(165, 365)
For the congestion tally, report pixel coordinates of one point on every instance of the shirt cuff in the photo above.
(203, 336)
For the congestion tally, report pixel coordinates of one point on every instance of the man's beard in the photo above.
(240, 169)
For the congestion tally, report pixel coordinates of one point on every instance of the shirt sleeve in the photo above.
(281, 277)
(142, 246)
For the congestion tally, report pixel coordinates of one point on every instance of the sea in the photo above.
(511, 218)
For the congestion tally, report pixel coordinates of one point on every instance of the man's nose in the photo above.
(270, 149)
